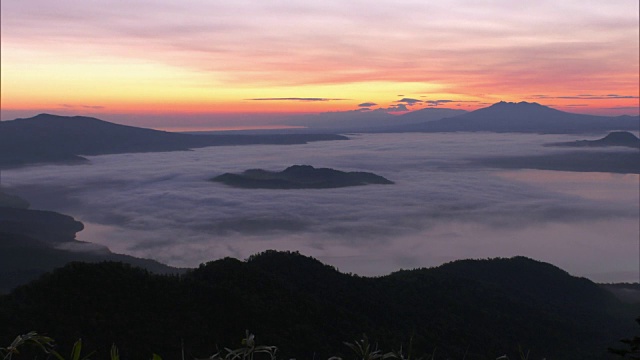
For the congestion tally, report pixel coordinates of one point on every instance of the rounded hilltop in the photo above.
(299, 177)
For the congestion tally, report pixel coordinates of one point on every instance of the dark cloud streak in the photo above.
(585, 97)
(367, 104)
(296, 99)
(409, 101)
(94, 107)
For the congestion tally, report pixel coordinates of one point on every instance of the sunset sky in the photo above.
(207, 64)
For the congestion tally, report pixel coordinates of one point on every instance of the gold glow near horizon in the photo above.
(188, 61)
(136, 86)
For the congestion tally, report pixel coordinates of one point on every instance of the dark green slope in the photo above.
(483, 309)
(540, 304)
(23, 259)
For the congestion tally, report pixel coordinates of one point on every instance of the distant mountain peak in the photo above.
(41, 115)
(503, 104)
(522, 108)
(621, 136)
(524, 116)
(517, 103)
(48, 117)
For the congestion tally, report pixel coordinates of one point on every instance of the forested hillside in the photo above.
(481, 308)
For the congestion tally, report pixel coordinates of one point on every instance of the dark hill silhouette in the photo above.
(46, 226)
(33, 242)
(526, 117)
(299, 177)
(52, 138)
(621, 161)
(518, 276)
(618, 162)
(478, 309)
(12, 201)
(615, 138)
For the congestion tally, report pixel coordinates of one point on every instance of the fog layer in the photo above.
(443, 205)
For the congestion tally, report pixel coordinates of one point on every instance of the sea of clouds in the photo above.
(443, 205)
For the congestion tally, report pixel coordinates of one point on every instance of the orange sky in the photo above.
(204, 64)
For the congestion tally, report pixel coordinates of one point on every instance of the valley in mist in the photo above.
(446, 203)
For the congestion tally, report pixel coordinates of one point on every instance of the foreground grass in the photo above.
(361, 349)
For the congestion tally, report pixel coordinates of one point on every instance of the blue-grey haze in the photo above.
(443, 205)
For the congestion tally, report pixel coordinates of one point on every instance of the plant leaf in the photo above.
(77, 348)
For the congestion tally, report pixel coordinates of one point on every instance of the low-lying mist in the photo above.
(443, 205)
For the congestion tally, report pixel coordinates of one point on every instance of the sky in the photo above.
(198, 64)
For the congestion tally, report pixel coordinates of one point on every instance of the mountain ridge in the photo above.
(47, 138)
(480, 309)
(526, 117)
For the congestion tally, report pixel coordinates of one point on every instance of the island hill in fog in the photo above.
(615, 138)
(299, 177)
(586, 157)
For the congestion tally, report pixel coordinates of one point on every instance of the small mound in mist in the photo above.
(615, 138)
(299, 177)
